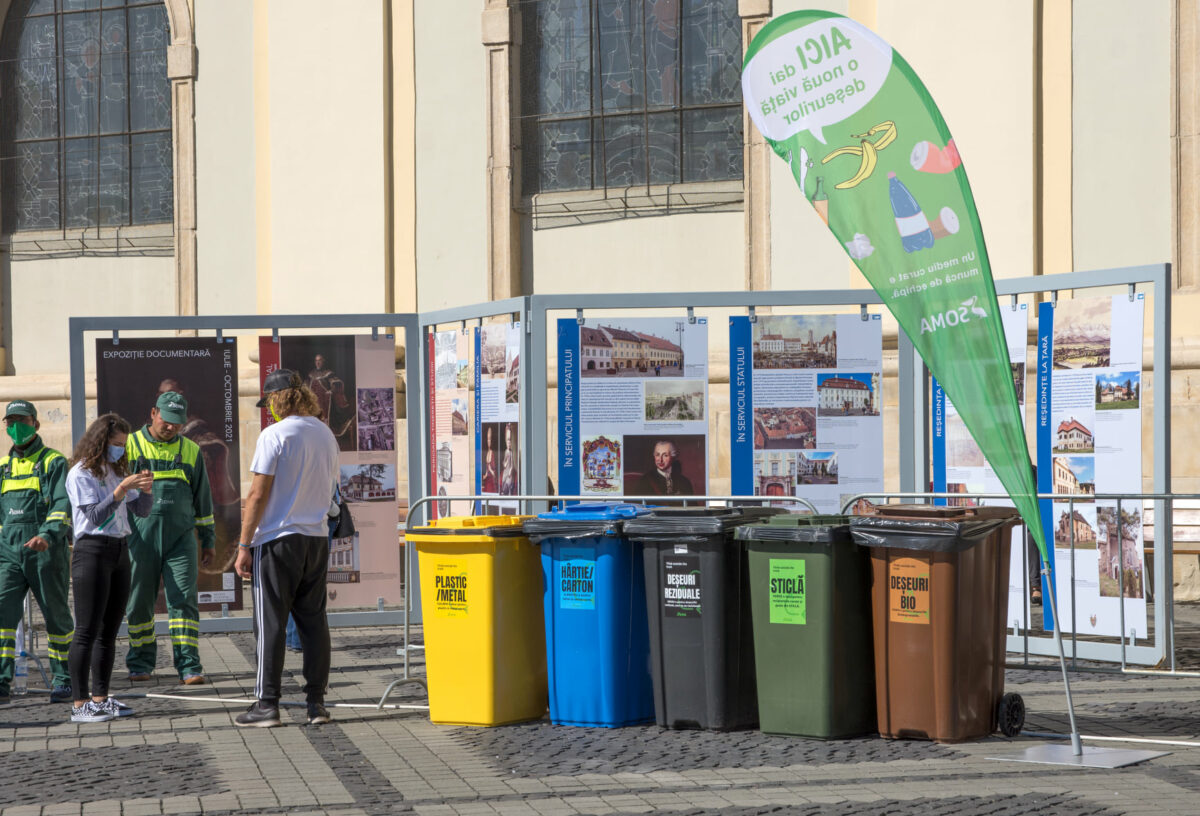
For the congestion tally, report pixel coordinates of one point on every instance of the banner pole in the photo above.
(1076, 745)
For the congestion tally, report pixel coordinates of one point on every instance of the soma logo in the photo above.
(965, 313)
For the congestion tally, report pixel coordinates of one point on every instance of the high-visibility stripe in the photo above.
(141, 641)
(132, 448)
(58, 515)
(186, 641)
(21, 473)
(192, 622)
(57, 654)
(174, 473)
(29, 483)
(60, 638)
(7, 652)
(140, 627)
(8, 633)
(204, 521)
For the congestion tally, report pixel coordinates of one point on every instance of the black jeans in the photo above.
(289, 576)
(100, 580)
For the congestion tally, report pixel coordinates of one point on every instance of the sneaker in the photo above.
(89, 712)
(61, 694)
(115, 707)
(259, 715)
(318, 714)
(193, 680)
(139, 677)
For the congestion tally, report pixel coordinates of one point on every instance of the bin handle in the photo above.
(619, 510)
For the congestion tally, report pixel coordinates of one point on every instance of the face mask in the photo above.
(20, 433)
(274, 415)
(115, 452)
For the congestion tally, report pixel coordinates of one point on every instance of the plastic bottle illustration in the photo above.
(820, 201)
(910, 220)
(21, 675)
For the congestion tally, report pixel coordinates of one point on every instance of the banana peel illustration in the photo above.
(870, 143)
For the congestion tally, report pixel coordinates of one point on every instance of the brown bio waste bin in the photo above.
(938, 598)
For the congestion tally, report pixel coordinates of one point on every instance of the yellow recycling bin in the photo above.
(481, 600)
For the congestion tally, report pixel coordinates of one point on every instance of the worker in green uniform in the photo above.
(164, 543)
(35, 545)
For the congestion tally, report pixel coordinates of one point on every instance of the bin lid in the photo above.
(679, 522)
(929, 533)
(583, 520)
(808, 520)
(493, 526)
(807, 529)
(921, 511)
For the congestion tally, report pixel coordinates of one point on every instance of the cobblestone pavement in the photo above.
(185, 757)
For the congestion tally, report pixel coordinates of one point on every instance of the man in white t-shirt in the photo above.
(284, 546)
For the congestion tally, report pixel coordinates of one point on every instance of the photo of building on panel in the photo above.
(795, 341)
(612, 350)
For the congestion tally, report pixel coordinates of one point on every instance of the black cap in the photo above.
(278, 380)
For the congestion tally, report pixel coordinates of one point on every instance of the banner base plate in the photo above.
(1090, 758)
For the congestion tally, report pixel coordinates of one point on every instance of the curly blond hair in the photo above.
(298, 400)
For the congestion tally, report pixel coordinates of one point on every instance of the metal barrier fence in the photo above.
(1094, 648)
(526, 501)
(517, 309)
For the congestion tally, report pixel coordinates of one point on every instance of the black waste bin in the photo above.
(698, 606)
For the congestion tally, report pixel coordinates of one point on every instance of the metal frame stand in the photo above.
(540, 307)
(31, 642)
(1158, 278)
(517, 310)
(414, 371)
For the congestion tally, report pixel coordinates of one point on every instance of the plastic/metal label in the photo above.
(787, 591)
(908, 590)
(681, 586)
(576, 580)
(451, 588)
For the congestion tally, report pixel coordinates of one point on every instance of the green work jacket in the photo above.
(33, 495)
(182, 498)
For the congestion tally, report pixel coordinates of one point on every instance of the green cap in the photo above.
(20, 408)
(172, 407)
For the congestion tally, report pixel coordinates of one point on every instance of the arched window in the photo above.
(85, 115)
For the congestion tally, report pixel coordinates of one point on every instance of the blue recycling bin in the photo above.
(597, 637)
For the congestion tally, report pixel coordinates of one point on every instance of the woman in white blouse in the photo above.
(100, 488)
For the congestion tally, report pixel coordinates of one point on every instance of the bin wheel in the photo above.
(1010, 714)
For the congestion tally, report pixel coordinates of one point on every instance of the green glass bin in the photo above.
(810, 600)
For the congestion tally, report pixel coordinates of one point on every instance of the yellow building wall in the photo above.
(1121, 123)
(226, 225)
(983, 83)
(326, 137)
(451, 172)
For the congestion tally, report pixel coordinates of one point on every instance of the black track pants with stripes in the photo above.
(289, 576)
